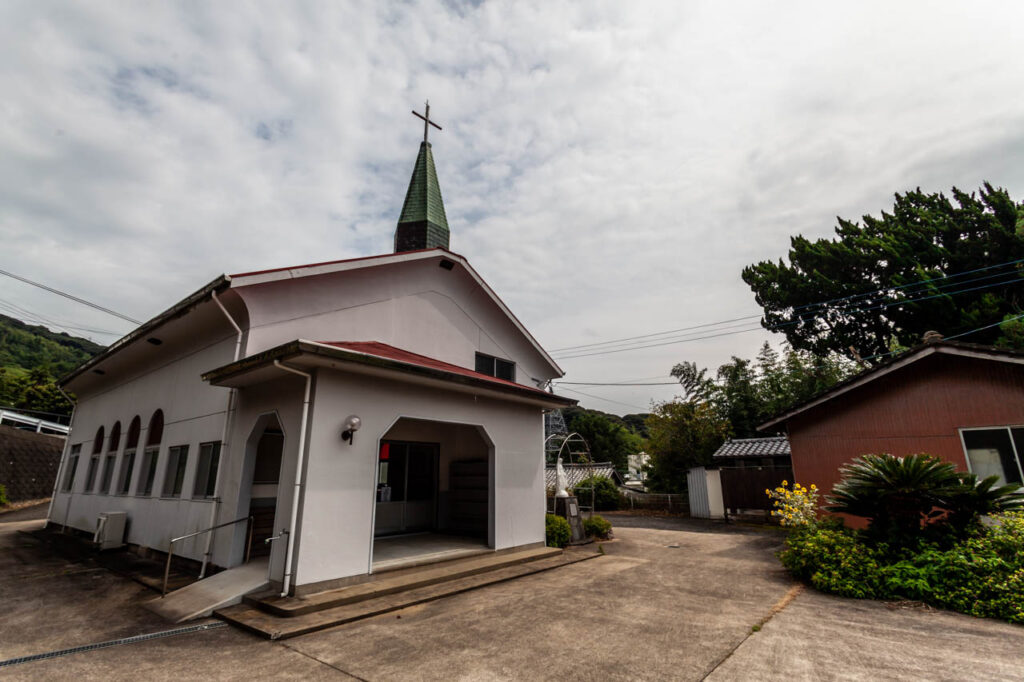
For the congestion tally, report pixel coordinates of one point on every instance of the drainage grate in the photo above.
(115, 642)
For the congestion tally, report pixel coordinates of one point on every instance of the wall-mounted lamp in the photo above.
(352, 424)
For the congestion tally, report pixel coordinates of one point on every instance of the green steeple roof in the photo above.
(422, 224)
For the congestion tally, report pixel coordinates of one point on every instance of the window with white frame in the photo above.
(205, 485)
(90, 473)
(128, 459)
(148, 472)
(495, 367)
(995, 452)
(72, 465)
(107, 477)
(174, 477)
(108, 473)
(151, 454)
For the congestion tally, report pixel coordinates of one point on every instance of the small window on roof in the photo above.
(495, 367)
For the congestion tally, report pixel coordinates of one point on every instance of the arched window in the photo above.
(108, 462)
(156, 429)
(115, 437)
(124, 481)
(97, 444)
(94, 460)
(133, 433)
(154, 435)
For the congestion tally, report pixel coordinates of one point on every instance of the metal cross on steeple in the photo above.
(426, 121)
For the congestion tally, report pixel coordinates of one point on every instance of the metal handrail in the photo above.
(170, 545)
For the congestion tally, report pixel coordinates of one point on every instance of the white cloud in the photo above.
(609, 167)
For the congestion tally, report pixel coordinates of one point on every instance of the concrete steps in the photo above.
(277, 618)
(202, 597)
(288, 607)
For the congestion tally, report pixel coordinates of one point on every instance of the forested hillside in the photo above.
(32, 358)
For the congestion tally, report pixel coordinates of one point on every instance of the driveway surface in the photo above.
(679, 600)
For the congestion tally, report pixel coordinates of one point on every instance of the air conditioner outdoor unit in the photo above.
(110, 530)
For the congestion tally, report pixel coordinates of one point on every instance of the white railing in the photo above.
(38, 425)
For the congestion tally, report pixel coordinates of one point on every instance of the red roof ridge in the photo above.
(390, 352)
(343, 260)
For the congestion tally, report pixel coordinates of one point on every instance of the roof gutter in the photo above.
(225, 445)
(288, 568)
(299, 347)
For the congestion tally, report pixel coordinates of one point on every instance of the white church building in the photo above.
(336, 405)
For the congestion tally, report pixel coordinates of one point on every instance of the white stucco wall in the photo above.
(193, 413)
(415, 306)
(282, 398)
(337, 517)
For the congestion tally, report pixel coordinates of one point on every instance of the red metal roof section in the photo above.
(344, 260)
(383, 350)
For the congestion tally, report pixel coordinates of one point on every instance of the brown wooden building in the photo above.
(961, 402)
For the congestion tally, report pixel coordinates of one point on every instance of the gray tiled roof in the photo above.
(776, 446)
(577, 472)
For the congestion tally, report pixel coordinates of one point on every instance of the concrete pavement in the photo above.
(678, 601)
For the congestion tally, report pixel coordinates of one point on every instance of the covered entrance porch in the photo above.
(434, 494)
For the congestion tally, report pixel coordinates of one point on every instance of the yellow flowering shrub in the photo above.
(796, 506)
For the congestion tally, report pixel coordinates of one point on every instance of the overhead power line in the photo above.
(71, 297)
(882, 306)
(32, 317)
(891, 289)
(599, 383)
(954, 336)
(607, 400)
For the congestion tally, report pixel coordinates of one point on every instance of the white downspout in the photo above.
(223, 440)
(286, 584)
(63, 457)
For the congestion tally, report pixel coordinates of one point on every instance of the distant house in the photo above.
(961, 402)
(636, 468)
(575, 473)
(28, 463)
(753, 452)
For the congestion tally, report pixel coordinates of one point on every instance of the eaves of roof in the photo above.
(177, 310)
(955, 348)
(407, 363)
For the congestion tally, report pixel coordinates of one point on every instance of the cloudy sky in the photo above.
(608, 167)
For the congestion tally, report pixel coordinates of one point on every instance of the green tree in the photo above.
(884, 264)
(608, 441)
(34, 390)
(747, 393)
(683, 434)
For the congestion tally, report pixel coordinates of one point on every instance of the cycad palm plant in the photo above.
(899, 494)
(974, 499)
(895, 494)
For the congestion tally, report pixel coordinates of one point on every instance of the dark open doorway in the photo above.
(433, 496)
(266, 478)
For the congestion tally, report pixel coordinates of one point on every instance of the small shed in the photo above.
(753, 452)
(748, 467)
(963, 403)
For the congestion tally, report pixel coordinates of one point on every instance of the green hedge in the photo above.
(982, 575)
(597, 527)
(606, 493)
(556, 531)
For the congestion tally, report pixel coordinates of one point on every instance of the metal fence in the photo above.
(635, 499)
